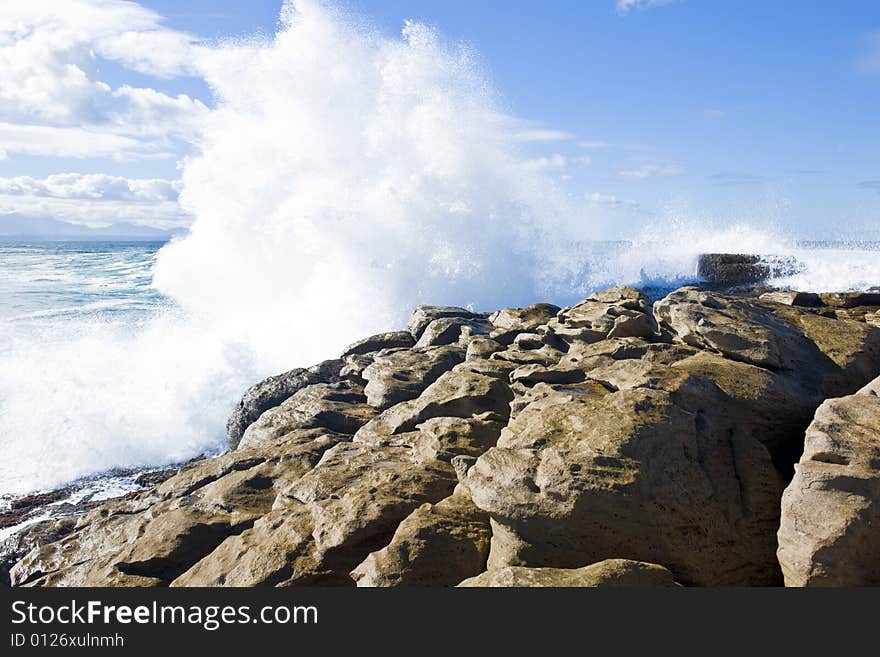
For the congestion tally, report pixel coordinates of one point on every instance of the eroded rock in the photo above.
(830, 529)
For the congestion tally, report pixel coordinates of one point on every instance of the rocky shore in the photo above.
(707, 439)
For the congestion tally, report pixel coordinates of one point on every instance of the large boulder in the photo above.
(809, 357)
(612, 573)
(654, 471)
(829, 533)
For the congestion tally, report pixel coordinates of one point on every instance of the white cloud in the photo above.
(50, 57)
(94, 199)
(652, 170)
(46, 141)
(869, 61)
(151, 112)
(93, 186)
(625, 6)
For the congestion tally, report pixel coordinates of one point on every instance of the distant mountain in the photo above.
(18, 228)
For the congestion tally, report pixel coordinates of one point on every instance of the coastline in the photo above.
(455, 450)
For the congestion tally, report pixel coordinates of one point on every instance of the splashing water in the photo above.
(343, 178)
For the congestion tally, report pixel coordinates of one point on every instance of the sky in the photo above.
(739, 111)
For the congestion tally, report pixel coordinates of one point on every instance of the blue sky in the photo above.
(736, 110)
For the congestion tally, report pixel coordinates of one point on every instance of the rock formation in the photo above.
(615, 442)
(830, 529)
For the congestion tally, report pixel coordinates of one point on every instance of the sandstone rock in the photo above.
(451, 330)
(424, 315)
(509, 322)
(793, 298)
(338, 407)
(546, 355)
(523, 319)
(454, 394)
(154, 537)
(608, 573)
(403, 375)
(326, 522)
(829, 534)
(446, 438)
(590, 474)
(617, 312)
(482, 348)
(272, 391)
(829, 356)
(436, 545)
(393, 340)
(592, 435)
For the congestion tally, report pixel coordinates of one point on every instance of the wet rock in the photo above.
(731, 269)
(153, 537)
(33, 536)
(830, 529)
(608, 573)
